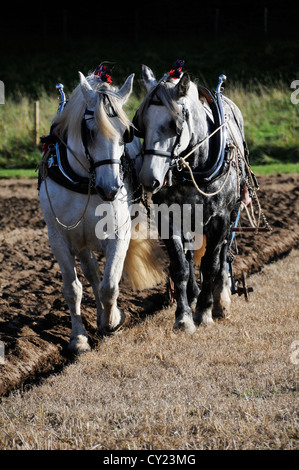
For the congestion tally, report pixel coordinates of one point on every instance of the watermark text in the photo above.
(183, 223)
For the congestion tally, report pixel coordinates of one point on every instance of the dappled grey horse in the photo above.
(194, 154)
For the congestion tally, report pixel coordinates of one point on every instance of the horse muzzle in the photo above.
(110, 194)
(150, 186)
(152, 181)
(153, 185)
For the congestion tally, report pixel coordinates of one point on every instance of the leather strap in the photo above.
(159, 153)
(107, 161)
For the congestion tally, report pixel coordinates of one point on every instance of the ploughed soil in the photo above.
(34, 319)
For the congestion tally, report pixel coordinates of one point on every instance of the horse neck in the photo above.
(199, 131)
(76, 156)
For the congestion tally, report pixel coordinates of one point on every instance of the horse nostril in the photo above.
(100, 192)
(149, 182)
(109, 195)
(152, 187)
(155, 184)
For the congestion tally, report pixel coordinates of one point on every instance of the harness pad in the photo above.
(59, 169)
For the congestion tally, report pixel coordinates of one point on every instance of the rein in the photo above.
(177, 160)
(182, 163)
(235, 149)
(182, 160)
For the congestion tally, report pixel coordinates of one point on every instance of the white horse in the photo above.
(96, 128)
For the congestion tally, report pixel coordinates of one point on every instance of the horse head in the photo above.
(168, 121)
(105, 129)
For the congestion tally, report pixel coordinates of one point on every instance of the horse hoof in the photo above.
(203, 318)
(185, 324)
(219, 314)
(107, 331)
(79, 345)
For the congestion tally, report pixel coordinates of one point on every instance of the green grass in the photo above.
(267, 169)
(17, 146)
(271, 127)
(259, 75)
(271, 122)
(17, 173)
(275, 168)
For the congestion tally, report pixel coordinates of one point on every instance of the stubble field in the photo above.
(231, 386)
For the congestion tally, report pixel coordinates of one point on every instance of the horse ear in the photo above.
(148, 78)
(126, 89)
(89, 95)
(181, 89)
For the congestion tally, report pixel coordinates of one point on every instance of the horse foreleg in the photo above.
(179, 273)
(192, 287)
(90, 268)
(209, 268)
(221, 289)
(72, 292)
(111, 317)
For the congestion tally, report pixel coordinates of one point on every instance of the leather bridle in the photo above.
(174, 154)
(218, 147)
(127, 138)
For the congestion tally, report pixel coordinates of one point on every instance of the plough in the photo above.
(240, 286)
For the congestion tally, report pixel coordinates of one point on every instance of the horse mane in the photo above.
(69, 121)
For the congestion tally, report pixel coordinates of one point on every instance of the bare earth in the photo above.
(34, 320)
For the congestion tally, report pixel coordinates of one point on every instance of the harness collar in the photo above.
(60, 171)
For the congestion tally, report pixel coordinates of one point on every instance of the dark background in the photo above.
(51, 42)
(146, 19)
